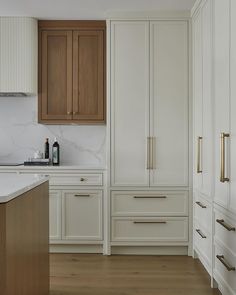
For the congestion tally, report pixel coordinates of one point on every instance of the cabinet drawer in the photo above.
(82, 217)
(149, 203)
(225, 230)
(76, 179)
(203, 242)
(203, 211)
(224, 270)
(150, 229)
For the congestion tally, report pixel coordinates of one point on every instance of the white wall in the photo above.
(21, 135)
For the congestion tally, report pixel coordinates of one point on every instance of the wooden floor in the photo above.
(92, 274)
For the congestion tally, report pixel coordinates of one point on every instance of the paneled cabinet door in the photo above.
(169, 102)
(56, 75)
(202, 88)
(222, 97)
(129, 102)
(82, 215)
(88, 75)
(55, 215)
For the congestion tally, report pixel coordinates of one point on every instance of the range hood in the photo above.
(18, 56)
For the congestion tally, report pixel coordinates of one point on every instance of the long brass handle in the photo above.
(225, 225)
(151, 152)
(148, 152)
(201, 205)
(222, 260)
(148, 222)
(199, 152)
(150, 197)
(200, 233)
(222, 157)
(82, 195)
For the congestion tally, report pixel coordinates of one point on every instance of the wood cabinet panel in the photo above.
(71, 72)
(56, 74)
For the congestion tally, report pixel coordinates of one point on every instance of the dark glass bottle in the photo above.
(55, 153)
(46, 149)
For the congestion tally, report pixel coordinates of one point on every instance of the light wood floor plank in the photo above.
(91, 274)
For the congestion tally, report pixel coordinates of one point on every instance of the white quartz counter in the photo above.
(13, 185)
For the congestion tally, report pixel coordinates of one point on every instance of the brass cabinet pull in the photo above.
(150, 197)
(222, 260)
(222, 157)
(201, 205)
(82, 195)
(148, 222)
(199, 154)
(148, 152)
(200, 233)
(225, 225)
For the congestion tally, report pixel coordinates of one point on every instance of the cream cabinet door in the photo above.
(197, 101)
(221, 94)
(129, 102)
(232, 201)
(169, 79)
(54, 215)
(82, 215)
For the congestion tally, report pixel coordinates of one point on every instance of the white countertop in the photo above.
(51, 167)
(13, 185)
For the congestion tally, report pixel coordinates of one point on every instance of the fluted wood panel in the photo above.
(18, 55)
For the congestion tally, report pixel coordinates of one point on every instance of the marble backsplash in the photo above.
(21, 135)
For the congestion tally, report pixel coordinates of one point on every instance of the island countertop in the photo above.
(13, 185)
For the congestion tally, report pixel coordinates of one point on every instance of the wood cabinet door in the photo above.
(88, 76)
(56, 76)
(129, 103)
(169, 79)
(221, 93)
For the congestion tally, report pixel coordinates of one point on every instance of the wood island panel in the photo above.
(24, 244)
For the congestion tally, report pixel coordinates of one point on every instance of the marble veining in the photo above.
(21, 135)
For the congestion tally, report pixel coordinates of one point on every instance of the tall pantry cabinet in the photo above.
(214, 89)
(202, 133)
(149, 93)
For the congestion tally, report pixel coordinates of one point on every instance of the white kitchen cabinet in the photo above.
(55, 215)
(203, 100)
(225, 104)
(169, 103)
(82, 217)
(149, 103)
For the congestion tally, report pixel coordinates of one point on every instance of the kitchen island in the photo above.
(24, 234)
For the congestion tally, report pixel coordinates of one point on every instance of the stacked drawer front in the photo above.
(202, 234)
(225, 250)
(149, 216)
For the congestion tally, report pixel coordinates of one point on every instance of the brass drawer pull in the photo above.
(201, 205)
(82, 195)
(199, 152)
(225, 225)
(149, 222)
(222, 157)
(200, 233)
(222, 260)
(148, 153)
(150, 197)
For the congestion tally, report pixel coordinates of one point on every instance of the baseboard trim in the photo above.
(149, 250)
(76, 249)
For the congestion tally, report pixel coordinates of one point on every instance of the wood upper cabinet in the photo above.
(72, 72)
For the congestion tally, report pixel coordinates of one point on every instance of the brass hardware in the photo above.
(82, 179)
(199, 152)
(222, 157)
(82, 195)
(225, 225)
(151, 153)
(75, 113)
(148, 222)
(69, 113)
(200, 233)
(228, 267)
(201, 205)
(150, 197)
(148, 152)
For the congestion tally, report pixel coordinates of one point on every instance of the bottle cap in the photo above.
(55, 139)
